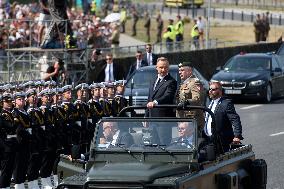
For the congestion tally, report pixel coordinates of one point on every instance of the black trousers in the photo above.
(34, 166)
(6, 169)
(48, 160)
(21, 162)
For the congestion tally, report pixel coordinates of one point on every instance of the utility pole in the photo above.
(208, 24)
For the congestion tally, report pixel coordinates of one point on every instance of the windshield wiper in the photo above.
(122, 146)
(160, 147)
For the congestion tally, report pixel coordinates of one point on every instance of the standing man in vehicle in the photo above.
(191, 92)
(162, 91)
(228, 123)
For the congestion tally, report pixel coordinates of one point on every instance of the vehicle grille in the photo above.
(234, 85)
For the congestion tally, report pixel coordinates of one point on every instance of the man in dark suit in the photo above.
(228, 124)
(113, 135)
(110, 71)
(149, 56)
(185, 136)
(162, 91)
(137, 64)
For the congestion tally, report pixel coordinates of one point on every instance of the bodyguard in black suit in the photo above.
(162, 91)
(149, 57)
(137, 64)
(228, 124)
(110, 71)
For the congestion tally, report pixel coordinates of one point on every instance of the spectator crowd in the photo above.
(20, 27)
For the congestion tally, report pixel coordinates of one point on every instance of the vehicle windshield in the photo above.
(248, 64)
(141, 134)
(142, 78)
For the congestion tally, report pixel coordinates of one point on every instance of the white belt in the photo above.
(79, 123)
(29, 130)
(11, 136)
(90, 120)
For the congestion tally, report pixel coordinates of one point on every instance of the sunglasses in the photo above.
(213, 89)
(181, 129)
(108, 58)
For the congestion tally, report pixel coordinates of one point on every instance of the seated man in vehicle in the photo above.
(113, 136)
(185, 135)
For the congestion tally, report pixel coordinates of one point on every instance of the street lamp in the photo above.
(208, 23)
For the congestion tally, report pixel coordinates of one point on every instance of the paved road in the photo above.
(236, 14)
(263, 127)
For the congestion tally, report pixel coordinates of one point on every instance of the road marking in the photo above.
(275, 134)
(250, 107)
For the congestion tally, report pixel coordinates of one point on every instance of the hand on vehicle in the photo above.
(150, 104)
(236, 141)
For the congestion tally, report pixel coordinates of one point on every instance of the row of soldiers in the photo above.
(41, 122)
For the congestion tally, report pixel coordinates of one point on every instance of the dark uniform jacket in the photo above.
(164, 93)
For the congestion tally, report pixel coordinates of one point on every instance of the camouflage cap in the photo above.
(184, 64)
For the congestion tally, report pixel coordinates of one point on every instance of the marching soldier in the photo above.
(74, 135)
(110, 98)
(49, 155)
(61, 129)
(8, 139)
(96, 108)
(121, 101)
(24, 131)
(103, 100)
(37, 139)
(191, 92)
(83, 115)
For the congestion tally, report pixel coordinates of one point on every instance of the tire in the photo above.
(268, 94)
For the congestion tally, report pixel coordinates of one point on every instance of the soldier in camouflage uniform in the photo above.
(190, 92)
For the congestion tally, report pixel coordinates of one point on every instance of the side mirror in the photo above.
(277, 70)
(219, 68)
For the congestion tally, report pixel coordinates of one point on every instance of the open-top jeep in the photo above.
(135, 158)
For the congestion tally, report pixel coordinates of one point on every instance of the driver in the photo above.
(185, 134)
(113, 135)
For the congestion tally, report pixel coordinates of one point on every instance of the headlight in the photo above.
(256, 83)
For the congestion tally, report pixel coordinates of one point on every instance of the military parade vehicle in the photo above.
(135, 157)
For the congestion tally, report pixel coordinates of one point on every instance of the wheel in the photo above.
(268, 94)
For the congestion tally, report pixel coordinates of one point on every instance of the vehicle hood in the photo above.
(136, 92)
(135, 172)
(240, 76)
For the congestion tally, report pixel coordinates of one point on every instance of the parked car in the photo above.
(138, 83)
(252, 75)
